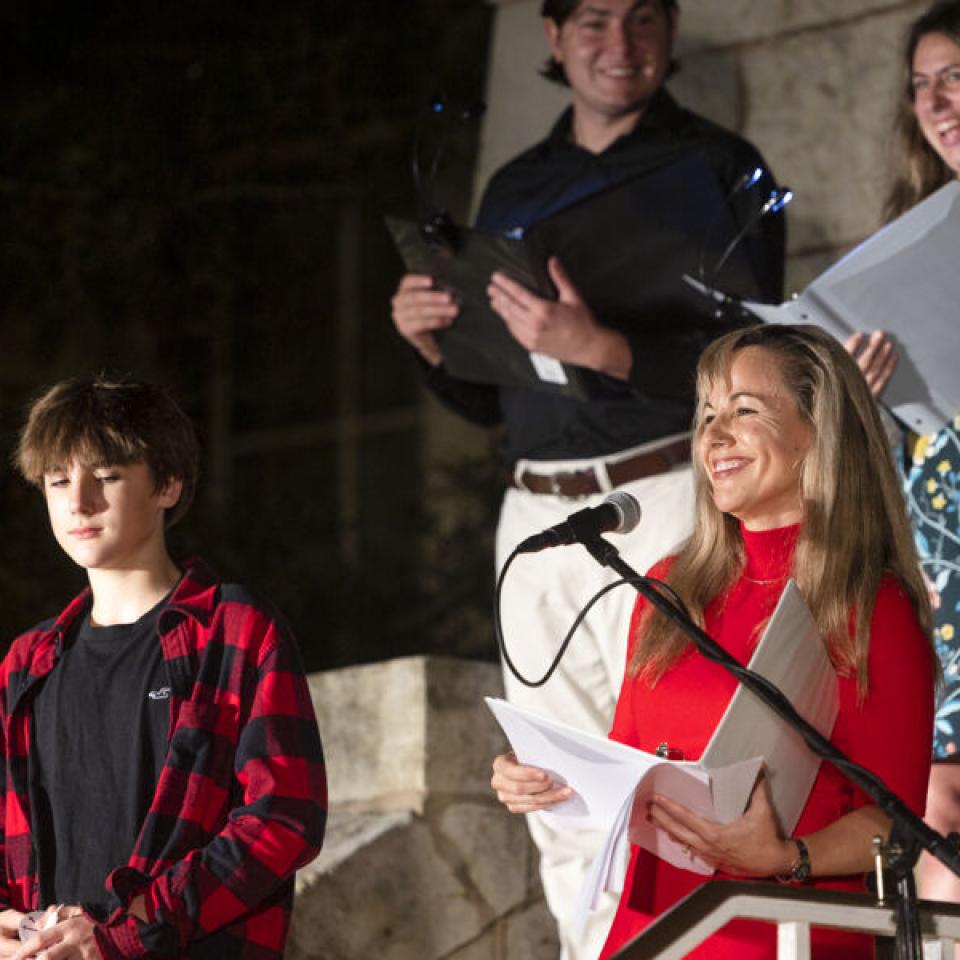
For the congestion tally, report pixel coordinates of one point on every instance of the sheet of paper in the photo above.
(792, 656)
(903, 280)
(603, 773)
(608, 870)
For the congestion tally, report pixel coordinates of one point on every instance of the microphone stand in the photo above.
(909, 835)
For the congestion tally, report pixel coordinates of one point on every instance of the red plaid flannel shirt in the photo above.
(240, 803)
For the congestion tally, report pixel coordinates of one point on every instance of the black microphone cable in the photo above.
(664, 589)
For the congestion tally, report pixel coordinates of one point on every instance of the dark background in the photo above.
(192, 193)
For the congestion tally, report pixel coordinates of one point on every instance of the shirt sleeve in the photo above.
(5, 900)
(891, 731)
(624, 729)
(276, 826)
(477, 402)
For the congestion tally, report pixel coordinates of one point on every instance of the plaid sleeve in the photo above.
(276, 827)
(4, 885)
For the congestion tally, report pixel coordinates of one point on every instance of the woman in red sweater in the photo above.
(794, 479)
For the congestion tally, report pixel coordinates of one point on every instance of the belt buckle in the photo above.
(556, 485)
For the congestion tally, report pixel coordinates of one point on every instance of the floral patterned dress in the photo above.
(933, 500)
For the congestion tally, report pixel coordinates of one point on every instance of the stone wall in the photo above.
(420, 861)
(813, 83)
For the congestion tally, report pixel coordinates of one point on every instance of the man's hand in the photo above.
(419, 311)
(564, 329)
(70, 939)
(875, 357)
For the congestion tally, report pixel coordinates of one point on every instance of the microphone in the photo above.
(619, 513)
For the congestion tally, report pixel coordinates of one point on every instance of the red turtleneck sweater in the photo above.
(889, 733)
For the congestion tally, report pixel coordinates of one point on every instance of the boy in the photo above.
(162, 769)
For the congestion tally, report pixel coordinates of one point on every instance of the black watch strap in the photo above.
(800, 871)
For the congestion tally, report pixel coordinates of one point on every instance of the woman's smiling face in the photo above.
(936, 95)
(753, 440)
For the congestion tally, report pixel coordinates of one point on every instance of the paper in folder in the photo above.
(905, 280)
(626, 249)
(614, 782)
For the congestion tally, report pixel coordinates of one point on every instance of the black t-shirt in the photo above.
(99, 736)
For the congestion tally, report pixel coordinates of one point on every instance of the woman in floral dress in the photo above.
(928, 128)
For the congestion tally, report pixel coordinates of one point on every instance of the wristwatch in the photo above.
(800, 870)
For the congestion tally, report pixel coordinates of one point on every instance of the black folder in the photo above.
(626, 249)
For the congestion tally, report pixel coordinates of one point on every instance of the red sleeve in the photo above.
(891, 732)
(624, 729)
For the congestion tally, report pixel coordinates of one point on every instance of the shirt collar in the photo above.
(663, 113)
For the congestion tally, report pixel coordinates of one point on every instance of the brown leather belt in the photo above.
(583, 483)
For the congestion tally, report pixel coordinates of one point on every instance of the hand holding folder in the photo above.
(625, 248)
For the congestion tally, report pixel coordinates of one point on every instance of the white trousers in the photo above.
(542, 595)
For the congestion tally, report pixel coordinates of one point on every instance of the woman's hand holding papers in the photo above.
(524, 789)
(564, 329)
(418, 311)
(750, 846)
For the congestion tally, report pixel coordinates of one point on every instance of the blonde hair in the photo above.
(855, 528)
(920, 170)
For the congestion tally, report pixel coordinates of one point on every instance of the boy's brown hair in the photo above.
(111, 423)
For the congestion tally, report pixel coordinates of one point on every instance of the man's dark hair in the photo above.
(559, 11)
(111, 423)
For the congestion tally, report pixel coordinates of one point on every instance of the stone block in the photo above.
(706, 23)
(396, 730)
(486, 948)
(710, 84)
(494, 849)
(462, 736)
(531, 934)
(372, 719)
(420, 889)
(420, 861)
(820, 106)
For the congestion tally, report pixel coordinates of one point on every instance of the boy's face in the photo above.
(108, 518)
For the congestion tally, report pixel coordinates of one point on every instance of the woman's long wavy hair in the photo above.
(919, 168)
(855, 528)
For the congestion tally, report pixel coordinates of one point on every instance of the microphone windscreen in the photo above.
(628, 508)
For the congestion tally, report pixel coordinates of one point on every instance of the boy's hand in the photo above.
(70, 939)
(9, 936)
(10, 924)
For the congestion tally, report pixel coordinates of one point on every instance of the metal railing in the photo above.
(794, 910)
